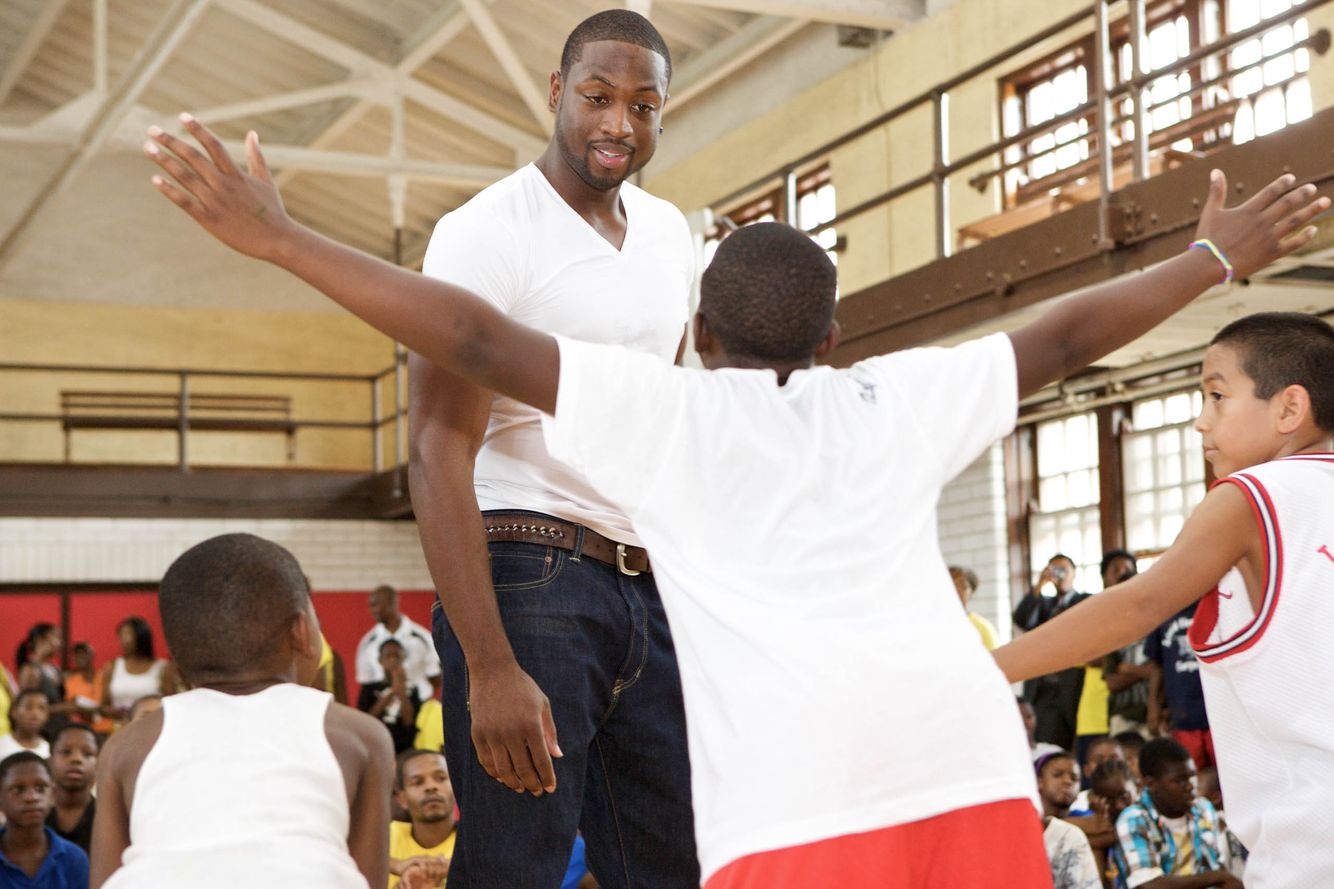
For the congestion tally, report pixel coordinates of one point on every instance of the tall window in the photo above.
(1267, 90)
(1163, 468)
(815, 206)
(1066, 519)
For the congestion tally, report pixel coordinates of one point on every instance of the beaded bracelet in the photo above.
(1206, 244)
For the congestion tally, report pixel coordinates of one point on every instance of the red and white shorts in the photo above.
(991, 846)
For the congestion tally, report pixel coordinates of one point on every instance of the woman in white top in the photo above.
(137, 673)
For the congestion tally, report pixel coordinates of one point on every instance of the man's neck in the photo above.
(429, 834)
(394, 623)
(584, 199)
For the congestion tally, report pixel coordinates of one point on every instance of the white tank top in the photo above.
(240, 790)
(127, 687)
(1267, 678)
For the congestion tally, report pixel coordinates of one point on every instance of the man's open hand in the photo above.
(512, 729)
(1272, 224)
(241, 209)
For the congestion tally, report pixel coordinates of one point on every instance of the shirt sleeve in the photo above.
(965, 397)
(618, 414)
(476, 251)
(1153, 648)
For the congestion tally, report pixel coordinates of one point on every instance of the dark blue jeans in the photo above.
(597, 643)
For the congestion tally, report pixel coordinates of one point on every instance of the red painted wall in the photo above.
(344, 618)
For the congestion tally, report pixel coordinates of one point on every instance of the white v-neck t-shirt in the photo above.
(832, 683)
(519, 246)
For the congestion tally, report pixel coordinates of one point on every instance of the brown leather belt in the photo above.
(518, 527)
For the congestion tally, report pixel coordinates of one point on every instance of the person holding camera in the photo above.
(1055, 697)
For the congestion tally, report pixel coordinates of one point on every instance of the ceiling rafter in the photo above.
(529, 90)
(32, 41)
(703, 70)
(881, 14)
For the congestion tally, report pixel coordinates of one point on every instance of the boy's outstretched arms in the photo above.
(1272, 224)
(1220, 533)
(450, 326)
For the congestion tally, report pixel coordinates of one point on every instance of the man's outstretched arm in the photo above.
(453, 328)
(1081, 330)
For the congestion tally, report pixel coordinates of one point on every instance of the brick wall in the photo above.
(971, 517)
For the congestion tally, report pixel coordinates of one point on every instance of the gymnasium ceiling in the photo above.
(375, 113)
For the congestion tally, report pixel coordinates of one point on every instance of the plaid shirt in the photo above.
(1147, 850)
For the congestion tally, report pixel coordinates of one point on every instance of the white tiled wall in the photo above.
(351, 555)
(971, 517)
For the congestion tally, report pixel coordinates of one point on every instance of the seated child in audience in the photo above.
(27, 717)
(84, 691)
(1072, 863)
(1131, 744)
(1170, 832)
(1110, 791)
(789, 511)
(393, 700)
(32, 855)
(1208, 787)
(420, 848)
(252, 776)
(73, 764)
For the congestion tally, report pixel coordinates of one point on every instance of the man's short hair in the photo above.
(1159, 755)
(76, 727)
(620, 25)
(1112, 555)
(14, 760)
(1061, 556)
(408, 756)
(226, 603)
(769, 293)
(1281, 349)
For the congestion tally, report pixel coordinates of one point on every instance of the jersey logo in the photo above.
(867, 392)
(1324, 550)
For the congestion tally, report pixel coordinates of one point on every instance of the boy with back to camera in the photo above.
(774, 496)
(250, 775)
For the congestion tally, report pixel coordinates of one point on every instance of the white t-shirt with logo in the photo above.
(832, 683)
(420, 662)
(519, 246)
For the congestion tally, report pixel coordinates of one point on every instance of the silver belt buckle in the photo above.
(620, 562)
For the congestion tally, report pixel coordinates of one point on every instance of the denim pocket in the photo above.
(524, 566)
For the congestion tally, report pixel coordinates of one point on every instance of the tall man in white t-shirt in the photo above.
(791, 512)
(571, 651)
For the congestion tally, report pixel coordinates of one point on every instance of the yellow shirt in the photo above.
(403, 845)
(430, 726)
(1091, 718)
(5, 727)
(985, 630)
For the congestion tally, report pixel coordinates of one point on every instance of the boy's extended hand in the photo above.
(241, 209)
(1270, 225)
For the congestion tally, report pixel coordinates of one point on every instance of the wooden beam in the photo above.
(888, 15)
(529, 91)
(27, 49)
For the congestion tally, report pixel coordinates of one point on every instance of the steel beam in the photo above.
(888, 15)
(733, 53)
(32, 41)
(1148, 221)
(530, 92)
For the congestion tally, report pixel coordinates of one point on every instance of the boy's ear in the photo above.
(699, 329)
(830, 341)
(305, 635)
(1294, 408)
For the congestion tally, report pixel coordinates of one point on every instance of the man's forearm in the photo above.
(453, 539)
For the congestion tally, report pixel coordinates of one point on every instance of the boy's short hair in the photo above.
(620, 25)
(22, 696)
(14, 760)
(1160, 754)
(1129, 740)
(408, 756)
(769, 293)
(1280, 349)
(1048, 758)
(968, 574)
(76, 727)
(391, 641)
(1108, 770)
(226, 603)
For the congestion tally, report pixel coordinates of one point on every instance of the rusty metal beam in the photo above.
(1148, 221)
(165, 492)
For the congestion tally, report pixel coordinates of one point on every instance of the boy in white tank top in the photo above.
(250, 777)
(1259, 555)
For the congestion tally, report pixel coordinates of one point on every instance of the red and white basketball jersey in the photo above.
(1268, 678)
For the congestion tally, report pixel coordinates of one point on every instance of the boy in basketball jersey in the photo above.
(1258, 554)
(249, 778)
(790, 512)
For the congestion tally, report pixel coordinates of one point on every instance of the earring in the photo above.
(659, 131)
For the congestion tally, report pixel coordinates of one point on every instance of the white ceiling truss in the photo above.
(423, 101)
